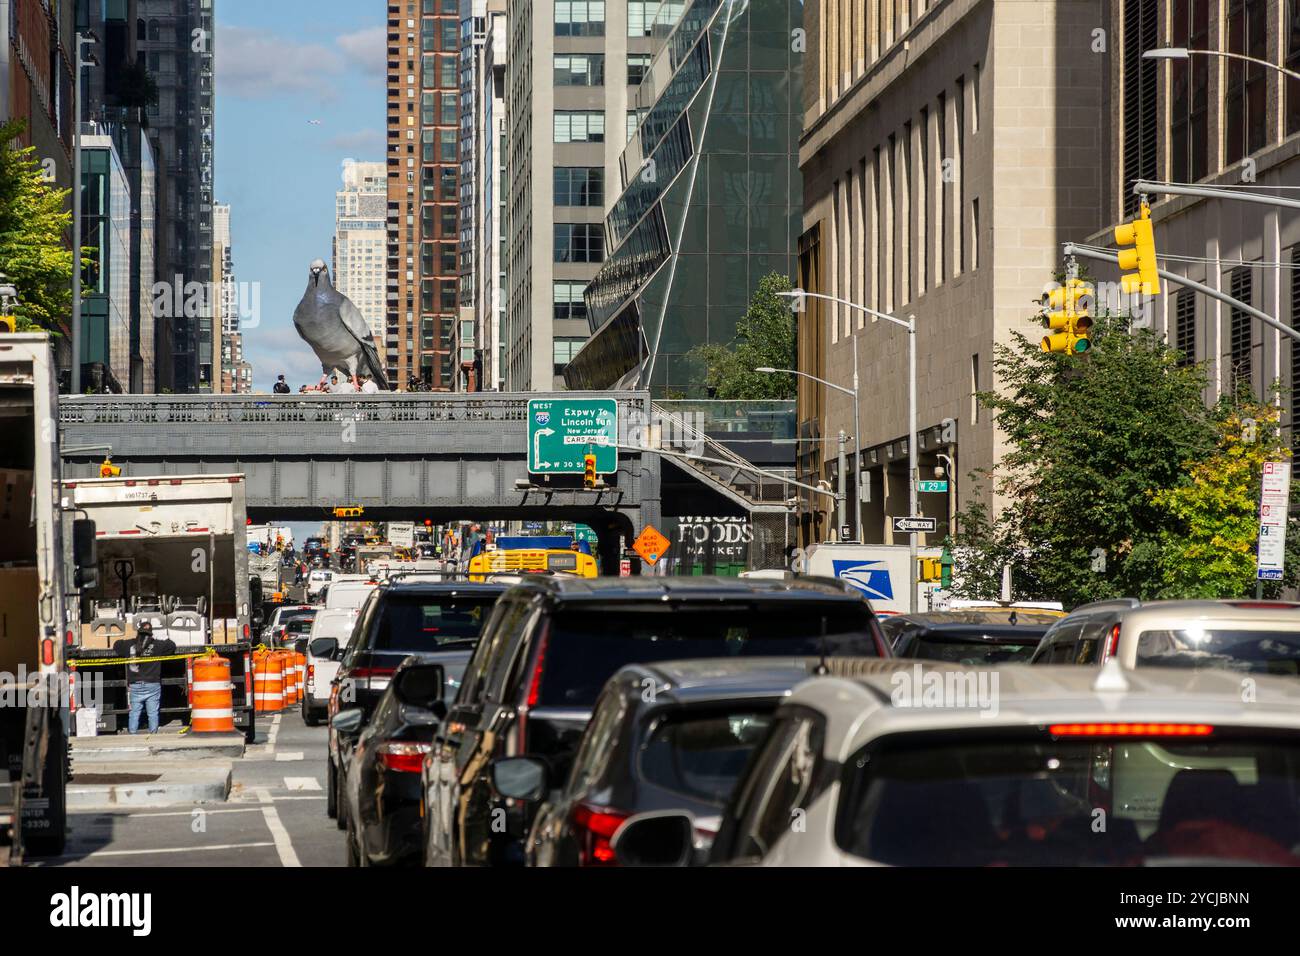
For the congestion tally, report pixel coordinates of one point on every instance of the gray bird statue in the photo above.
(336, 330)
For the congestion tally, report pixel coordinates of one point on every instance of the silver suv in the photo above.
(1245, 635)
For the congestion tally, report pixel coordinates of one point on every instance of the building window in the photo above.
(568, 302)
(1185, 326)
(579, 126)
(565, 349)
(579, 186)
(1141, 33)
(1189, 140)
(579, 242)
(638, 64)
(1245, 100)
(579, 18)
(1239, 330)
(1291, 30)
(579, 69)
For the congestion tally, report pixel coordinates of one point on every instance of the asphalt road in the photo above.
(275, 815)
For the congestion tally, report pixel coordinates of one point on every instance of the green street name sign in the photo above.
(561, 430)
(934, 486)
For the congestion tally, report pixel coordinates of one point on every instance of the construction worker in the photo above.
(144, 681)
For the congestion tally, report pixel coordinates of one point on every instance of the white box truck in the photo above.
(880, 571)
(401, 534)
(175, 545)
(46, 554)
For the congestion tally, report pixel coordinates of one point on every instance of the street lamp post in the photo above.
(1182, 53)
(857, 431)
(910, 325)
(82, 62)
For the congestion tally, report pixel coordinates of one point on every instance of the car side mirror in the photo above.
(655, 838)
(84, 554)
(348, 722)
(324, 647)
(521, 778)
(419, 685)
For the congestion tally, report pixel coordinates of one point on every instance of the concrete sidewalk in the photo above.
(151, 770)
(130, 783)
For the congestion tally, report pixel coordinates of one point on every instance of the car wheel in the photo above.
(339, 802)
(331, 791)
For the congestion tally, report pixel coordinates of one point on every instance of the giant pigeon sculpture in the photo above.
(336, 330)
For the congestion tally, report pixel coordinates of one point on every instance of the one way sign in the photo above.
(914, 523)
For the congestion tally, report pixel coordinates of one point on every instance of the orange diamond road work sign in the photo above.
(651, 545)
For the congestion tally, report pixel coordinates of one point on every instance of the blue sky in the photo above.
(281, 64)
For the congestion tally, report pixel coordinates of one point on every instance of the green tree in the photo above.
(1208, 546)
(34, 221)
(764, 337)
(1092, 439)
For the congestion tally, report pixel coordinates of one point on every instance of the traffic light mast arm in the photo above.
(1145, 187)
(1073, 250)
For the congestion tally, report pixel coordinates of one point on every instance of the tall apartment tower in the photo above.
(571, 75)
(421, 277)
(176, 38)
(482, 125)
(361, 240)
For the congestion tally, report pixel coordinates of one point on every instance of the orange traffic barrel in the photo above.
(302, 674)
(213, 708)
(290, 678)
(268, 682)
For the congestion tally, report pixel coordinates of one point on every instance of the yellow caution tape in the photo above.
(133, 660)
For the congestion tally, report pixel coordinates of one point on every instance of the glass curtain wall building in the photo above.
(711, 198)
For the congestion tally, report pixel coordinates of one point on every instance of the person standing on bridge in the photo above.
(281, 387)
(144, 680)
(368, 385)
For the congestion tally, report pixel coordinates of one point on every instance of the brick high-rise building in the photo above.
(422, 157)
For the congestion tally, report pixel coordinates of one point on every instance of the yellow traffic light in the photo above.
(931, 569)
(108, 469)
(589, 470)
(1142, 257)
(8, 323)
(1066, 314)
(348, 512)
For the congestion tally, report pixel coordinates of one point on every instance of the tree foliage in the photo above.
(33, 223)
(1208, 548)
(765, 337)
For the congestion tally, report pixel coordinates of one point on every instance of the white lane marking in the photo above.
(289, 756)
(301, 783)
(272, 734)
(283, 845)
(117, 817)
(167, 849)
(282, 799)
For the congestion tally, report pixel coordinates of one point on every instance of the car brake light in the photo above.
(1112, 644)
(363, 673)
(535, 685)
(596, 825)
(402, 756)
(1131, 730)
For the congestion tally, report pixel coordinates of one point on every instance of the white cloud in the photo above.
(254, 64)
(367, 48)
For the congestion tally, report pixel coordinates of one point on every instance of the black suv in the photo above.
(551, 644)
(440, 621)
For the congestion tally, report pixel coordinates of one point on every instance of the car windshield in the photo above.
(299, 625)
(970, 649)
(702, 755)
(1270, 651)
(418, 623)
(287, 616)
(586, 646)
(1036, 802)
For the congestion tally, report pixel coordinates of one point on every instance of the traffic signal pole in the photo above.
(1176, 279)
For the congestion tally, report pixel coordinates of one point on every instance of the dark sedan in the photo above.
(973, 637)
(382, 782)
(665, 736)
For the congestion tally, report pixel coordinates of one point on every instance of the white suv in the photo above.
(1064, 766)
(1254, 636)
(332, 624)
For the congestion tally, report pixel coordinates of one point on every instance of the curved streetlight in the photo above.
(1183, 53)
(910, 324)
(857, 428)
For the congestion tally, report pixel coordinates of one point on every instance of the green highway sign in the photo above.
(561, 430)
(934, 486)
